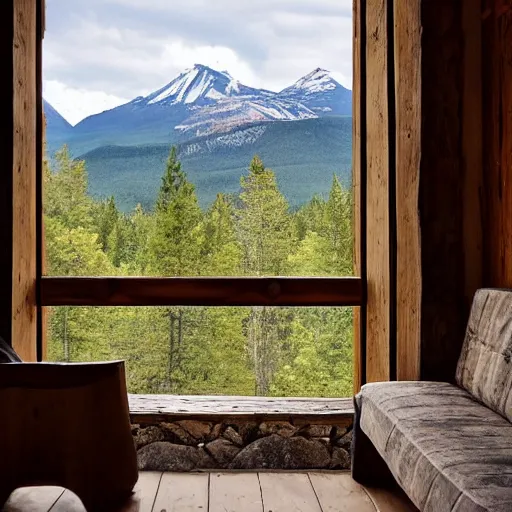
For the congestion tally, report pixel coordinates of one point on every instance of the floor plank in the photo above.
(337, 492)
(288, 492)
(145, 492)
(182, 492)
(390, 501)
(33, 499)
(235, 492)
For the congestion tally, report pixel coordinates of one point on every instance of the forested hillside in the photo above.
(303, 154)
(201, 350)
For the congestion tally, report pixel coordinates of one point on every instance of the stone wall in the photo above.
(189, 445)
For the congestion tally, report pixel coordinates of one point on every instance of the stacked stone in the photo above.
(190, 445)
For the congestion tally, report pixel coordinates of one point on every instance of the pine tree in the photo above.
(65, 192)
(106, 218)
(340, 234)
(222, 254)
(175, 243)
(174, 249)
(265, 227)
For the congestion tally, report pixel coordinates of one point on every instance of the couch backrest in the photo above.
(485, 363)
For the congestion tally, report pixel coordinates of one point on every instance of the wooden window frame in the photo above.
(191, 291)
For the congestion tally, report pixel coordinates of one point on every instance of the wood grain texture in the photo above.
(152, 409)
(99, 468)
(441, 199)
(24, 225)
(186, 492)
(378, 241)
(234, 492)
(337, 492)
(242, 291)
(6, 145)
(285, 492)
(359, 207)
(390, 500)
(408, 156)
(497, 140)
(144, 492)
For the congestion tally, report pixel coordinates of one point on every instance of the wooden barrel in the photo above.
(67, 425)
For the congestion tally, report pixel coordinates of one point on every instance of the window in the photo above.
(214, 206)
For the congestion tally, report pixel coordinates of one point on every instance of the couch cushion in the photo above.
(485, 364)
(447, 451)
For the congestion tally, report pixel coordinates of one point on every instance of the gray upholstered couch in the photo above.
(449, 447)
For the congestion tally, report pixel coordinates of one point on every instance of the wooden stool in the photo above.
(67, 425)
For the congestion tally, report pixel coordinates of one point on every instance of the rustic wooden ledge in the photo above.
(153, 409)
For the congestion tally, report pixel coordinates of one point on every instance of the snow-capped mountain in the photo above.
(202, 101)
(320, 92)
(233, 113)
(200, 85)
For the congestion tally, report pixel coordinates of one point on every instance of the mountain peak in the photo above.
(319, 80)
(200, 85)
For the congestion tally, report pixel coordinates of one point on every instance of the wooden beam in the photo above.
(6, 144)
(138, 291)
(497, 139)
(441, 199)
(359, 191)
(472, 148)
(377, 199)
(42, 317)
(24, 224)
(408, 156)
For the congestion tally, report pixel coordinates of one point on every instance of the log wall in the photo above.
(497, 140)
(18, 220)
(423, 237)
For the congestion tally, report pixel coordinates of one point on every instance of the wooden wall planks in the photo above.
(408, 156)
(24, 311)
(441, 197)
(377, 186)
(357, 182)
(6, 145)
(472, 148)
(497, 139)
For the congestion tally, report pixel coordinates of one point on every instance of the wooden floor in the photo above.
(229, 492)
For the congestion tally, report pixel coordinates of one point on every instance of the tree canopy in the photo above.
(203, 350)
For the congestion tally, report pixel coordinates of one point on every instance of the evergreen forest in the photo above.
(202, 350)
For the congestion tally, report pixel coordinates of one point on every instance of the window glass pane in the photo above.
(226, 351)
(198, 138)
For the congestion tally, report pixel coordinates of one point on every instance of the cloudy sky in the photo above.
(101, 53)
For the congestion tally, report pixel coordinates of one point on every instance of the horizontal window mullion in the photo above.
(200, 291)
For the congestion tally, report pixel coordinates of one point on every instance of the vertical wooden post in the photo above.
(441, 196)
(472, 148)
(6, 144)
(407, 34)
(497, 139)
(359, 189)
(24, 224)
(377, 198)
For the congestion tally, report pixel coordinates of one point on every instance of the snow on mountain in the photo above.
(200, 85)
(317, 81)
(232, 113)
(202, 101)
(320, 92)
(234, 139)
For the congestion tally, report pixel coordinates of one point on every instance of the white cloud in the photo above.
(101, 50)
(75, 104)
